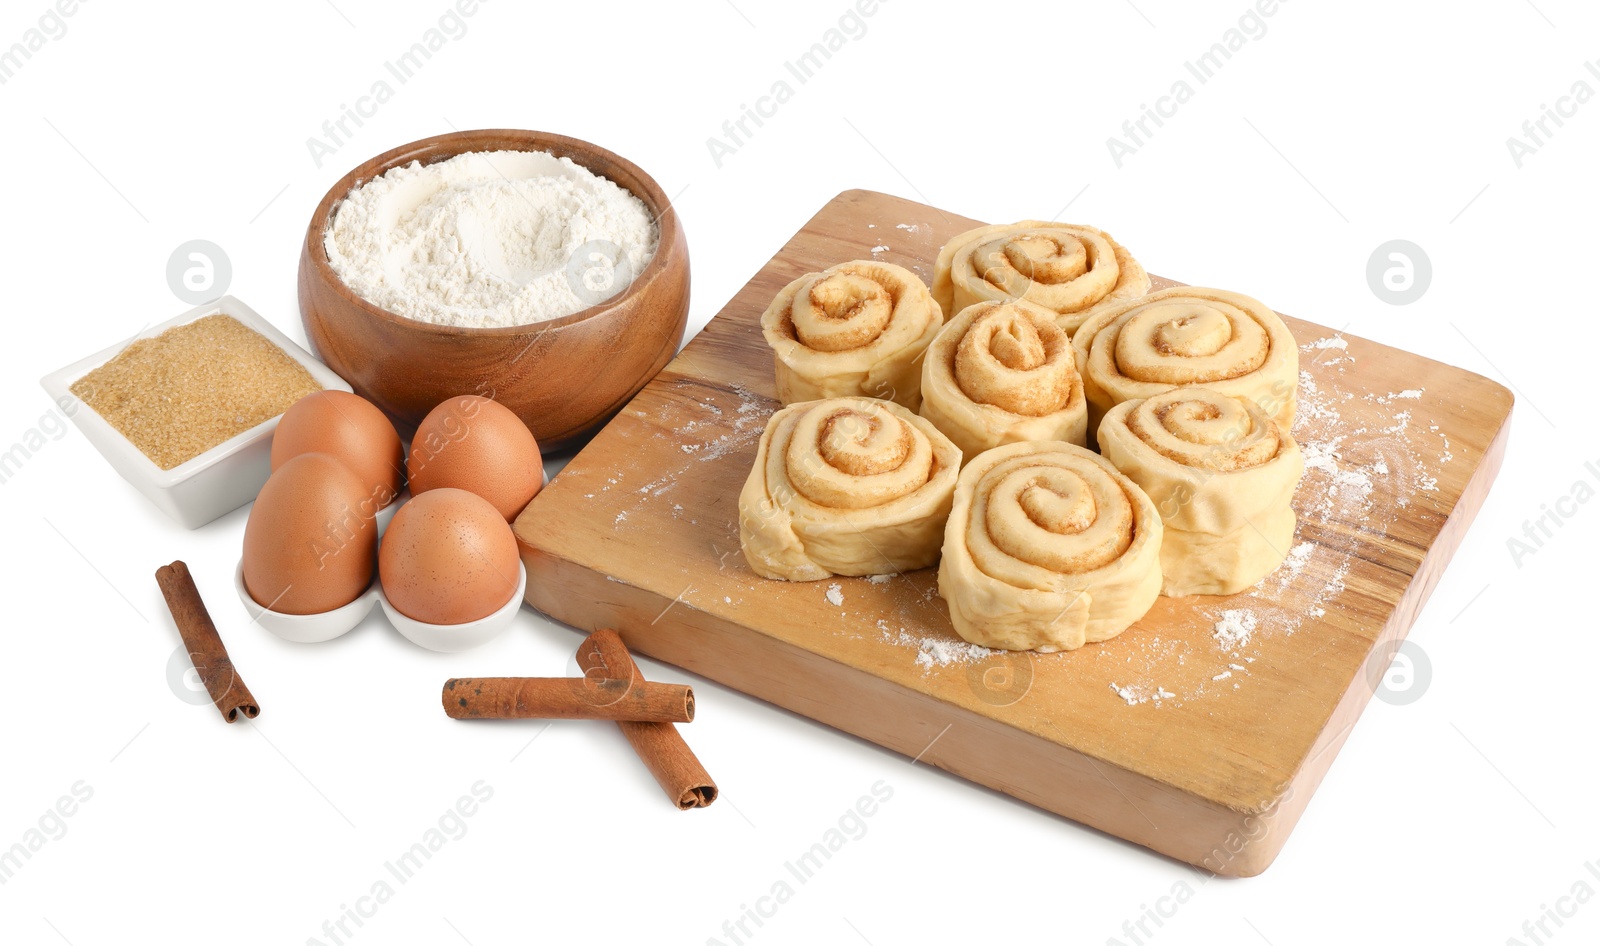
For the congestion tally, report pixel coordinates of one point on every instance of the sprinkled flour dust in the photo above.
(1327, 346)
(1233, 629)
(1134, 695)
(835, 595)
(1137, 670)
(942, 652)
(1296, 560)
(935, 651)
(749, 420)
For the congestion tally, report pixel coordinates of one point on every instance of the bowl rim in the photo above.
(442, 147)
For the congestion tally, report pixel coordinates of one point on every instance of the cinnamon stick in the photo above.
(205, 646)
(659, 745)
(567, 698)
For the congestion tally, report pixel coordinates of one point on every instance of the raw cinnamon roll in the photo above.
(1222, 475)
(1000, 372)
(858, 328)
(846, 486)
(1048, 547)
(1071, 270)
(1226, 341)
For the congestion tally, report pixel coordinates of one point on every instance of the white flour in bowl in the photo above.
(490, 239)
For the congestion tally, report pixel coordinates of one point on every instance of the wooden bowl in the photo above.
(564, 377)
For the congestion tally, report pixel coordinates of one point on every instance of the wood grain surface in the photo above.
(1206, 748)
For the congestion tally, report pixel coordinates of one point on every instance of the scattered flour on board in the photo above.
(1332, 350)
(941, 652)
(1142, 662)
(750, 419)
(935, 651)
(1313, 402)
(1134, 695)
(1234, 628)
(1296, 560)
(835, 595)
(880, 248)
(1130, 694)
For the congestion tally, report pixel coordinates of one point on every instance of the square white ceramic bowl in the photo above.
(216, 482)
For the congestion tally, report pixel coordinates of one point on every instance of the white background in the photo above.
(1453, 819)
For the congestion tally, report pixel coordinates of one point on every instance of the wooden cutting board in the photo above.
(1201, 732)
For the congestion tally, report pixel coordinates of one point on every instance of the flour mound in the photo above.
(490, 239)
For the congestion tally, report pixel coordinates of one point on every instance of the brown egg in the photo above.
(448, 558)
(478, 445)
(309, 543)
(350, 428)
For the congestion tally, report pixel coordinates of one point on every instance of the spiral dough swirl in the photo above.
(1048, 547)
(1071, 270)
(846, 486)
(1226, 341)
(858, 328)
(1002, 372)
(1201, 429)
(1222, 475)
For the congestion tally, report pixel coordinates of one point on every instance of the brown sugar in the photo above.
(179, 394)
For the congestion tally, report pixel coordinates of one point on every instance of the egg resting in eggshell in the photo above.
(448, 557)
